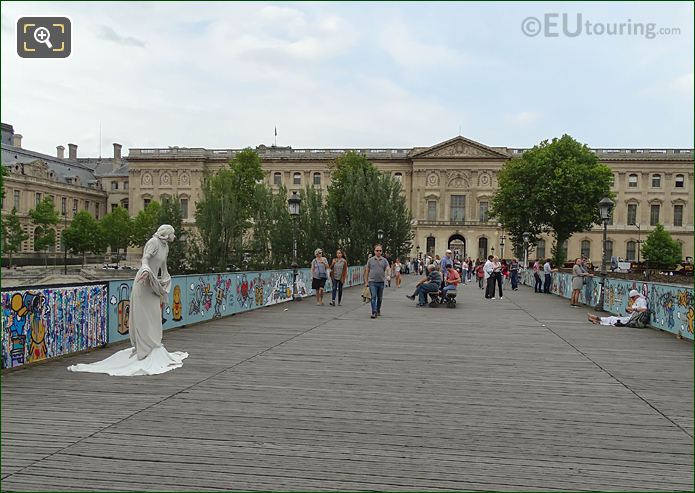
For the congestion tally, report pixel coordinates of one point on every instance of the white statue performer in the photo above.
(147, 356)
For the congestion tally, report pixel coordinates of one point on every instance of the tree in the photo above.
(362, 201)
(170, 213)
(553, 188)
(224, 213)
(272, 240)
(84, 235)
(116, 227)
(12, 235)
(43, 217)
(145, 224)
(313, 227)
(661, 250)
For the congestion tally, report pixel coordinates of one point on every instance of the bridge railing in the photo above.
(671, 304)
(43, 322)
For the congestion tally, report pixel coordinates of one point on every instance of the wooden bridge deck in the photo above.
(513, 394)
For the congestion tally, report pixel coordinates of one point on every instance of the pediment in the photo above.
(459, 148)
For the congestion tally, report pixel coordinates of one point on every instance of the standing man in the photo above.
(547, 270)
(514, 270)
(447, 261)
(375, 275)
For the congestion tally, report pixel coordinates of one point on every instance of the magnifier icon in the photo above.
(43, 35)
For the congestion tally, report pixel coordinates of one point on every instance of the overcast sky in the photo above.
(359, 74)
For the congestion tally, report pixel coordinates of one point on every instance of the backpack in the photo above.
(639, 321)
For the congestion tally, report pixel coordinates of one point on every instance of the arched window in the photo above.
(482, 248)
(431, 244)
(630, 250)
(678, 215)
(317, 179)
(632, 181)
(586, 249)
(277, 179)
(297, 179)
(656, 181)
(680, 181)
(540, 249)
(654, 211)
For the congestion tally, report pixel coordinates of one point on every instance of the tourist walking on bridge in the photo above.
(375, 277)
(339, 269)
(319, 274)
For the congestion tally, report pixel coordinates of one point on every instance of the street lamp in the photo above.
(502, 246)
(380, 235)
(293, 204)
(639, 241)
(605, 207)
(526, 236)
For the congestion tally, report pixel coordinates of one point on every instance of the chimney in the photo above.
(117, 151)
(17, 140)
(72, 152)
(60, 152)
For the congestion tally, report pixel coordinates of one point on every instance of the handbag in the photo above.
(366, 295)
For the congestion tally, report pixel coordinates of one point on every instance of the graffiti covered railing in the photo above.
(46, 322)
(671, 305)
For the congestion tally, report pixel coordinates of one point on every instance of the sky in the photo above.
(352, 74)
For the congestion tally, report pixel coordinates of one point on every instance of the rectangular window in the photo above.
(678, 215)
(113, 207)
(16, 200)
(146, 202)
(86, 205)
(632, 181)
(431, 210)
(654, 214)
(75, 203)
(540, 249)
(297, 179)
(277, 179)
(458, 207)
(96, 211)
(38, 198)
(63, 205)
(482, 215)
(609, 249)
(184, 208)
(317, 179)
(125, 185)
(656, 181)
(114, 185)
(631, 214)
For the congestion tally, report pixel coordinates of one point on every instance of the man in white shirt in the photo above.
(637, 305)
(487, 269)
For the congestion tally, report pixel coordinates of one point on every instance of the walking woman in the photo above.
(339, 269)
(397, 268)
(537, 284)
(319, 274)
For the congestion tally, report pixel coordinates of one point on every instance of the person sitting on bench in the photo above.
(452, 281)
(636, 306)
(429, 284)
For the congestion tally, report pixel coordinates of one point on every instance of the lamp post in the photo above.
(293, 204)
(62, 241)
(639, 241)
(502, 246)
(605, 208)
(526, 236)
(380, 235)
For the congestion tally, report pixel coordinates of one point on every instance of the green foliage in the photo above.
(272, 240)
(661, 250)
(313, 227)
(224, 213)
(145, 224)
(553, 188)
(116, 228)
(360, 202)
(170, 213)
(12, 235)
(84, 235)
(43, 217)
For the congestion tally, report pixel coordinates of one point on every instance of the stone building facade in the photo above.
(448, 188)
(74, 184)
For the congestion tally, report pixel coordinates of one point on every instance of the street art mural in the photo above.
(44, 323)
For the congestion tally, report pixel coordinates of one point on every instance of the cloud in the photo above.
(107, 33)
(684, 84)
(401, 42)
(523, 118)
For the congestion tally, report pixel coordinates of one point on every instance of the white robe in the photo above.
(640, 302)
(147, 356)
